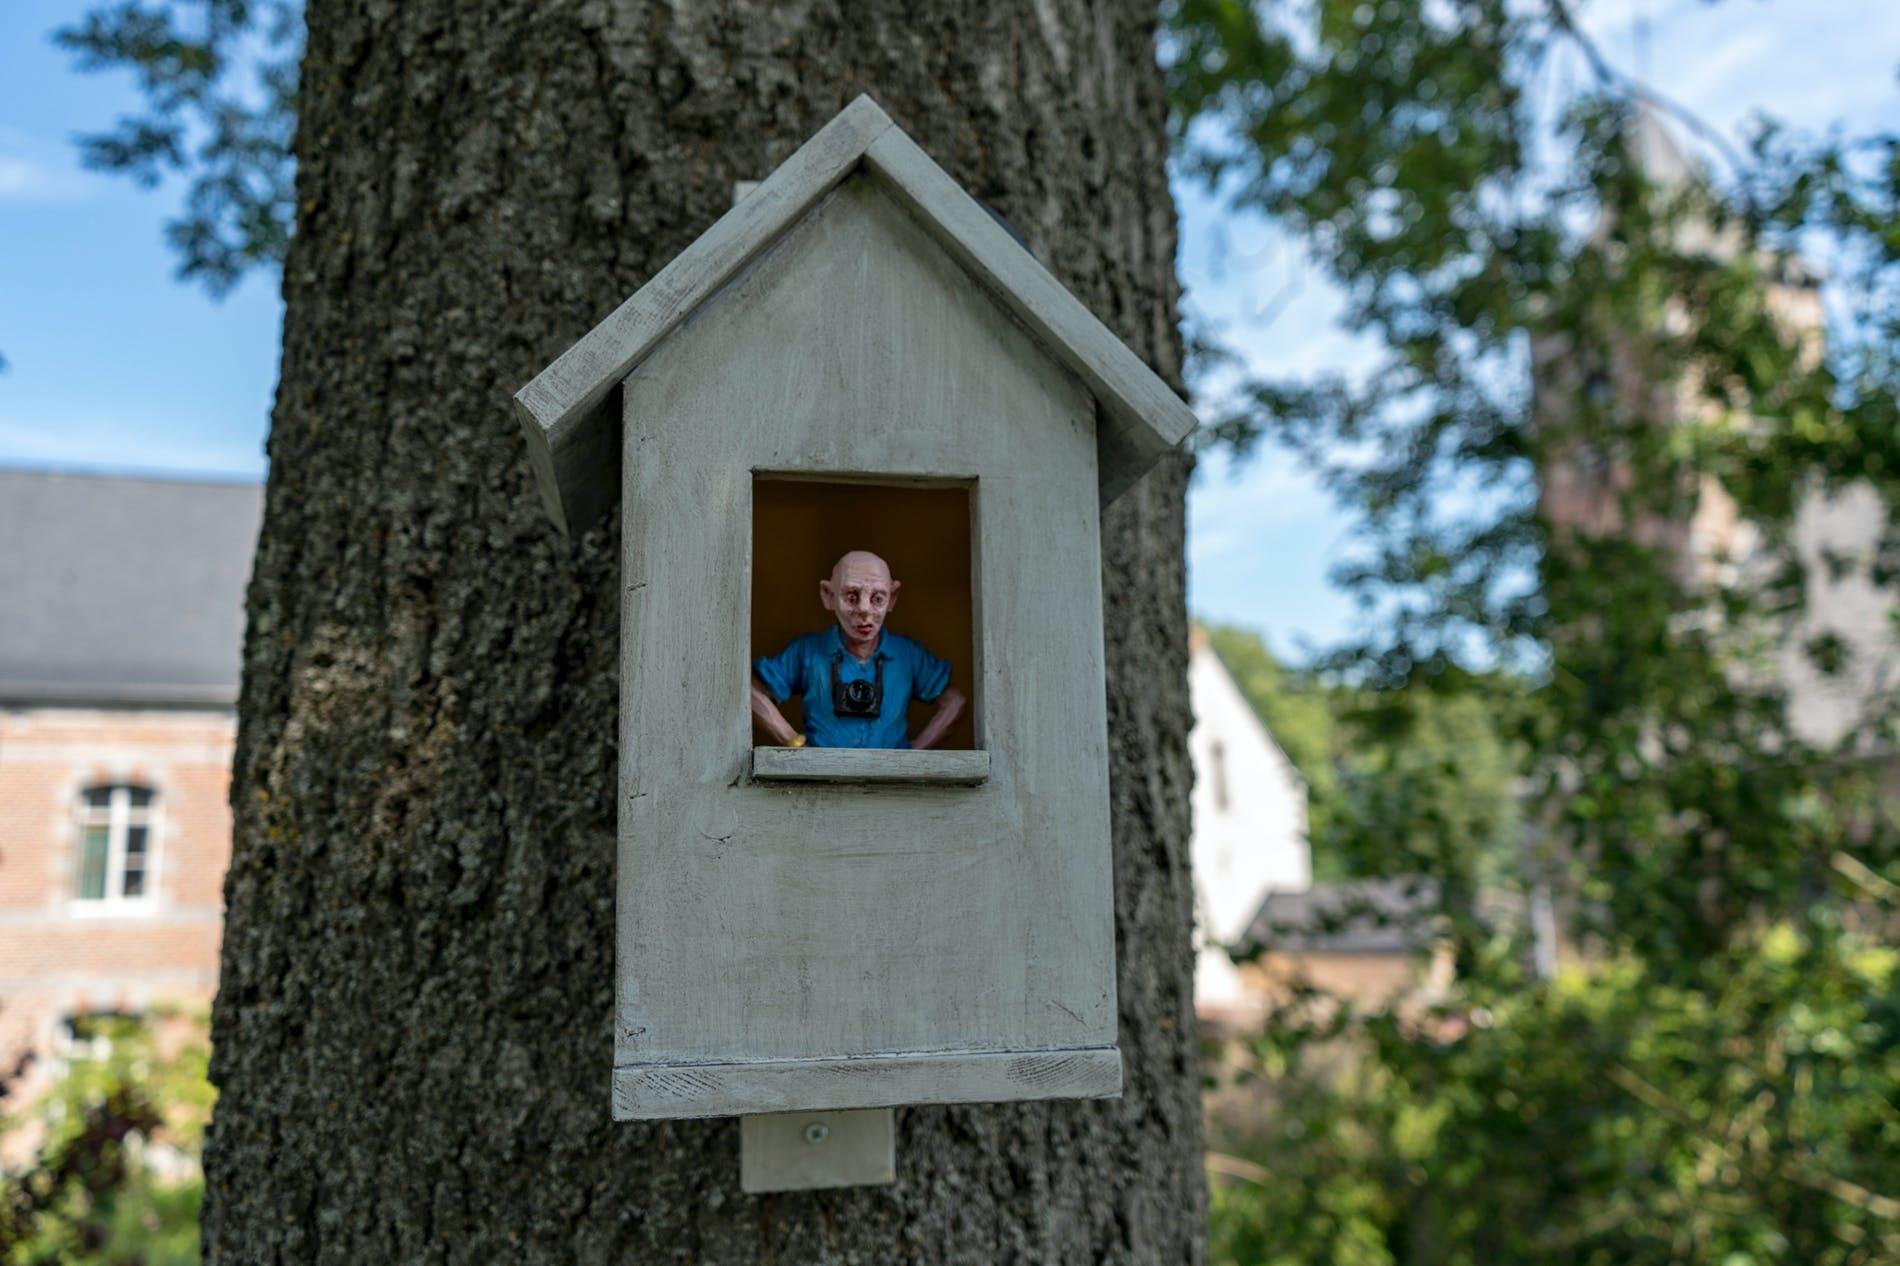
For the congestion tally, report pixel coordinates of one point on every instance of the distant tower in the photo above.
(1835, 536)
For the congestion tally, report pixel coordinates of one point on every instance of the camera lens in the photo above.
(856, 698)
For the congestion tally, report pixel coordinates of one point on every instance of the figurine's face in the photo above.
(859, 594)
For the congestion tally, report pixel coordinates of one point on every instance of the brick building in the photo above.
(121, 620)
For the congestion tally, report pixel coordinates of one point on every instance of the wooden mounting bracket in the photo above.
(804, 1151)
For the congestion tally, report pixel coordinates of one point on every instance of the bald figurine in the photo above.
(855, 679)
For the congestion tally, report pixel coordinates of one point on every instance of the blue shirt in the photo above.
(804, 668)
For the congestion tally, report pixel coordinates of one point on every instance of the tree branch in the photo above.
(1565, 21)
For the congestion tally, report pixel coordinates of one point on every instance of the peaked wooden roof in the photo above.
(568, 411)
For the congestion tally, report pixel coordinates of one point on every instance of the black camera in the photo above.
(856, 698)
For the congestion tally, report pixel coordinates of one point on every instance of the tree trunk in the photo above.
(413, 1030)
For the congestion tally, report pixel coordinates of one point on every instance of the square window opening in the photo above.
(924, 530)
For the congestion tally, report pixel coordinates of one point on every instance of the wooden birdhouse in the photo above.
(857, 357)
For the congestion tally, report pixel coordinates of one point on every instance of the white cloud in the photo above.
(1810, 63)
(18, 177)
(1231, 502)
(127, 443)
(38, 168)
(28, 179)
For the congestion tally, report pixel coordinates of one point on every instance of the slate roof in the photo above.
(123, 591)
(1364, 916)
(1368, 916)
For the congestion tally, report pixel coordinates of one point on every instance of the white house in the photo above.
(1249, 826)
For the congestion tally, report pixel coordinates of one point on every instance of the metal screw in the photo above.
(817, 1132)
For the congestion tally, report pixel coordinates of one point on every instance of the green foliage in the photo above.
(1605, 1117)
(1296, 708)
(219, 82)
(116, 1179)
(1713, 1080)
(1429, 785)
(1399, 782)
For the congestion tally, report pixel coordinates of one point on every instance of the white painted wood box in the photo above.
(834, 929)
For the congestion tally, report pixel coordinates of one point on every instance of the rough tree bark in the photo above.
(413, 1030)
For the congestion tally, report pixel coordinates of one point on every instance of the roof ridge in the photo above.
(573, 432)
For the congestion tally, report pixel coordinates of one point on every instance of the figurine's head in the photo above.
(860, 593)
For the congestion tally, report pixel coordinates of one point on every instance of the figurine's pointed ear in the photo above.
(827, 596)
(895, 586)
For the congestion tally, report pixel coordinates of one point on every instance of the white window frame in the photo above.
(120, 816)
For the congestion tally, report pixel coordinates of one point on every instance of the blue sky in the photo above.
(115, 365)
(112, 364)
(1263, 538)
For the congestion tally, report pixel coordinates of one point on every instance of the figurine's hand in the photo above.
(949, 707)
(771, 718)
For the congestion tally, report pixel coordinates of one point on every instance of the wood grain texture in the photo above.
(1142, 417)
(680, 1091)
(868, 765)
(811, 921)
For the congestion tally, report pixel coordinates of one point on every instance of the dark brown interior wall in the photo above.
(801, 527)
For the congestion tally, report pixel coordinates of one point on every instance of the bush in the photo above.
(116, 1178)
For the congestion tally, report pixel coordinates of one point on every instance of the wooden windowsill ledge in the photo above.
(868, 764)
